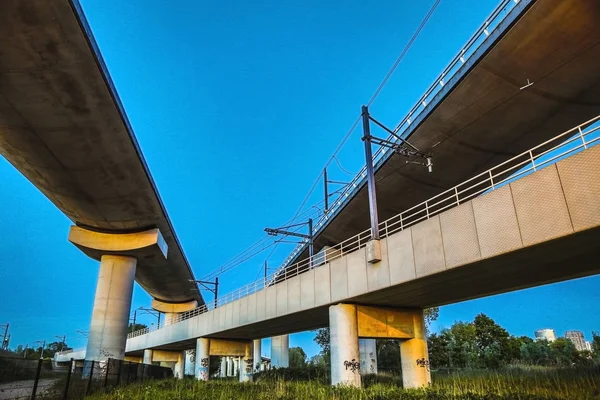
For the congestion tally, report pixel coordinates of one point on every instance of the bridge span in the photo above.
(527, 222)
(63, 126)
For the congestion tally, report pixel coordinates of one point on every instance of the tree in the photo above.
(492, 342)
(430, 315)
(596, 345)
(136, 327)
(297, 357)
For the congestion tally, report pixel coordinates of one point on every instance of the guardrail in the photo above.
(567, 143)
(402, 129)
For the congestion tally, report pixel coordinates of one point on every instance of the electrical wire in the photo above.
(243, 256)
(403, 53)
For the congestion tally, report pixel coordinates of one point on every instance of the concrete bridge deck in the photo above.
(539, 229)
(63, 126)
(481, 117)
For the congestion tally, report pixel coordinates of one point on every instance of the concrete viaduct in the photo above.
(63, 126)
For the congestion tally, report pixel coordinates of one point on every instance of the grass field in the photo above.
(516, 383)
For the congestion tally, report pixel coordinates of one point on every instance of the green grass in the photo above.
(515, 383)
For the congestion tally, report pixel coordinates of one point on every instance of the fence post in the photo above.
(128, 372)
(66, 393)
(88, 386)
(106, 372)
(143, 371)
(37, 378)
(119, 373)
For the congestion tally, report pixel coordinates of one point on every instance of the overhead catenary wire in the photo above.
(243, 256)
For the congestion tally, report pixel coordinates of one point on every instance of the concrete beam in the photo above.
(232, 348)
(375, 322)
(94, 244)
(165, 307)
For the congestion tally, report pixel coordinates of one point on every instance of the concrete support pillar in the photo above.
(345, 359)
(368, 356)
(202, 359)
(257, 358)
(223, 369)
(415, 357)
(236, 366)
(179, 368)
(230, 366)
(148, 353)
(246, 364)
(170, 318)
(112, 304)
(280, 351)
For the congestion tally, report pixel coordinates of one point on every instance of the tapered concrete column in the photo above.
(229, 366)
(368, 356)
(223, 369)
(148, 356)
(202, 359)
(257, 358)
(171, 318)
(345, 359)
(178, 370)
(414, 356)
(246, 364)
(280, 351)
(118, 254)
(112, 304)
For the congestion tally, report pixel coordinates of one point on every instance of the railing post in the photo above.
(37, 378)
(88, 386)
(456, 194)
(66, 392)
(491, 179)
(106, 373)
(532, 160)
(582, 138)
(427, 210)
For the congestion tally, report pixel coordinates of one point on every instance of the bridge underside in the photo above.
(487, 119)
(62, 125)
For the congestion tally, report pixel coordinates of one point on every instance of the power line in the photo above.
(240, 258)
(403, 53)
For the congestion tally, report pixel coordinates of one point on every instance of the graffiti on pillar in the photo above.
(352, 365)
(204, 362)
(203, 375)
(373, 362)
(248, 362)
(423, 363)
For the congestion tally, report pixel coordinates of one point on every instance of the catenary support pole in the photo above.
(370, 174)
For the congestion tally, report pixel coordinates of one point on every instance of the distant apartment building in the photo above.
(545, 334)
(577, 338)
(588, 346)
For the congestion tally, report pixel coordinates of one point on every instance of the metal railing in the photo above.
(564, 145)
(402, 129)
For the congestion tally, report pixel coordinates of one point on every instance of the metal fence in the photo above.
(559, 147)
(23, 379)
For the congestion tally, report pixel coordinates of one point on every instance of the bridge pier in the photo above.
(112, 304)
(367, 349)
(280, 351)
(148, 354)
(247, 364)
(349, 322)
(118, 255)
(202, 359)
(257, 357)
(414, 356)
(345, 359)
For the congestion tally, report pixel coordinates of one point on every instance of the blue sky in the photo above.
(237, 106)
